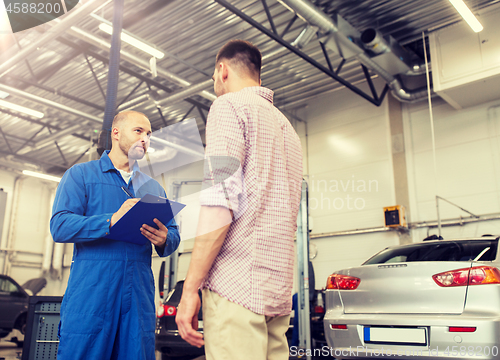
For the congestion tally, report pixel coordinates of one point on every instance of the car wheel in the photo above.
(21, 324)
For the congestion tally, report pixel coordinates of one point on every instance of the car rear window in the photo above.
(175, 295)
(468, 250)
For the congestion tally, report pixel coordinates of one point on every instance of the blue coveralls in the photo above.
(108, 309)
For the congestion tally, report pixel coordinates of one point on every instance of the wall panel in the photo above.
(467, 158)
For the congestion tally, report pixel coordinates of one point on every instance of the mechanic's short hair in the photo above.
(123, 116)
(244, 55)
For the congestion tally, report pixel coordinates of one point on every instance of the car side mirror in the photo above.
(161, 280)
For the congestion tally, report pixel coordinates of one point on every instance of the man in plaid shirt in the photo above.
(244, 249)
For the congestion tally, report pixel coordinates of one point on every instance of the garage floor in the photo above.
(9, 351)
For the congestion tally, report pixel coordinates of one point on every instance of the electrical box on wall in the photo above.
(395, 216)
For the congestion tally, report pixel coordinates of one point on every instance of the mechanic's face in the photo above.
(134, 136)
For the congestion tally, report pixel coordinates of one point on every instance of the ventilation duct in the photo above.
(342, 40)
(373, 41)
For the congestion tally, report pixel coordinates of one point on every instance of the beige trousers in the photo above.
(233, 332)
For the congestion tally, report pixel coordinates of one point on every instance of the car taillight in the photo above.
(462, 328)
(160, 311)
(452, 278)
(484, 275)
(319, 309)
(478, 275)
(170, 310)
(166, 310)
(342, 282)
(338, 327)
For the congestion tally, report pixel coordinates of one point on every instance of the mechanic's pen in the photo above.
(127, 192)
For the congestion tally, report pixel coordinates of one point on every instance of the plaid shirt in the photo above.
(255, 169)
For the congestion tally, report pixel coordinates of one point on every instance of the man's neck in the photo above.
(240, 85)
(120, 161)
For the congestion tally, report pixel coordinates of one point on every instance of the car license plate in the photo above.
(403, 336)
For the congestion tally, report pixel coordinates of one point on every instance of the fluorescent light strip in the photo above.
(133, 41)
(41, 176)
(22, 109)
(468, 16)
(3, 95)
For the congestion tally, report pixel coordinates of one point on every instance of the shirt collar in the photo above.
(107, 164)
(261, 91)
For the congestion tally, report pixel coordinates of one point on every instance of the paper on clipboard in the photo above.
(148, 208)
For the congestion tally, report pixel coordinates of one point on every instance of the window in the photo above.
(468, 250)
(7, 286)
(176, 294)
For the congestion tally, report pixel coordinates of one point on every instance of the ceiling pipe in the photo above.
(53, 104)
(314, 16)
(184, 94)
(134, 102)
(61, 27)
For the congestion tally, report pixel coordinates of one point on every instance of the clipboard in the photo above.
(128, 228)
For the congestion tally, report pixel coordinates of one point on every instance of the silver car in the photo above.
(431, 300)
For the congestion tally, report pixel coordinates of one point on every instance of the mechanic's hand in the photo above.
(187, 318)
(158, 237)
(126, 206)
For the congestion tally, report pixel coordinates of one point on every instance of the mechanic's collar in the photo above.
(107, 164)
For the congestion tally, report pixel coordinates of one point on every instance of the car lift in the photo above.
(303, 272)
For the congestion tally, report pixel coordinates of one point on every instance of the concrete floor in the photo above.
(9, 350)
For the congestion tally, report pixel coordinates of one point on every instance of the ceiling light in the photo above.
(133, 41)
(22, 109)
(468, 16)
(3, 95)
(41, 176)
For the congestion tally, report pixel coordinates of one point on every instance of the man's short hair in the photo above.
(244, 54)
(123, 116)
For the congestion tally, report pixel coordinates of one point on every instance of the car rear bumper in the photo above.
(440, 343)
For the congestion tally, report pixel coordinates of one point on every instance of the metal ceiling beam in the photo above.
(55, 92)
(141, 15)
(33, 161)
(130, 94)
(133, 73)
(190, 91)
(196, 88)
(27, 118)
(95, 78)
(53, 104)
(51, 138)
(296, 51)
(62, 26)
(47, 73)
(144, 64)
(134, 102)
